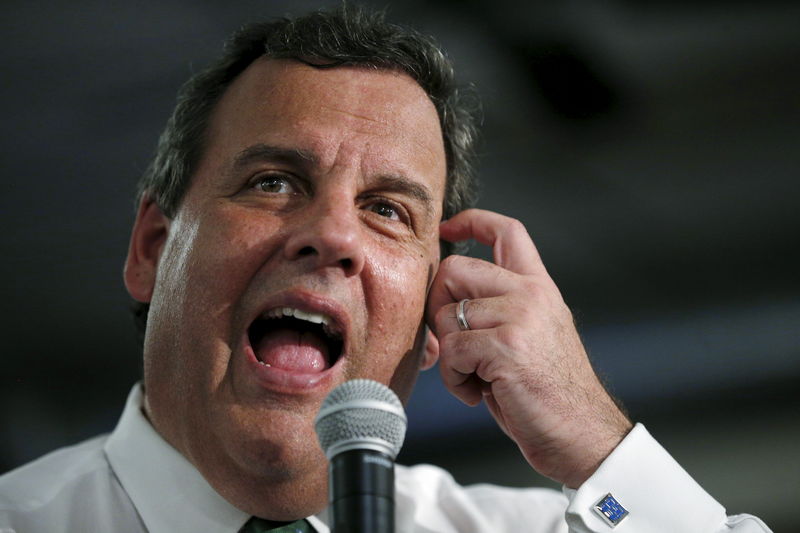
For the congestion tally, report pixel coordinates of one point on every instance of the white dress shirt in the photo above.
(134, 481)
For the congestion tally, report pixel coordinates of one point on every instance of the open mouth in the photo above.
(295, 340)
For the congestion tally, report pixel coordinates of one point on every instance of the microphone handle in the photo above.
(361, 486)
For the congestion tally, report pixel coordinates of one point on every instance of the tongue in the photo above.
(289, 349)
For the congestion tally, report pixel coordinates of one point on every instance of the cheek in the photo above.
(206, 267)
(398, 284)
(228, 248)
(397, 331)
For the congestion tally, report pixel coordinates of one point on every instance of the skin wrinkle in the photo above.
(395, 109)
(358, 116)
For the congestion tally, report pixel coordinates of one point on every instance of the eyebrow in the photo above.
(403, 185)
(304, 158)
(264, 152)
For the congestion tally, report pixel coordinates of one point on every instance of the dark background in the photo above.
(651, 148)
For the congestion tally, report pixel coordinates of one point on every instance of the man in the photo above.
(288, 238)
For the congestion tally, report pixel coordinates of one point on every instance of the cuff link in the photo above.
(610, 510)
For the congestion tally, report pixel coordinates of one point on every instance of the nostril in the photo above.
(308, 250)
(325, 253)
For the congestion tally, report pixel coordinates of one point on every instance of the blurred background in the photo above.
(651, 148)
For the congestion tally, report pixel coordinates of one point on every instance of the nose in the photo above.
(329, 234)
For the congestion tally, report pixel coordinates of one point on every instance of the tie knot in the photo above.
(259, 525)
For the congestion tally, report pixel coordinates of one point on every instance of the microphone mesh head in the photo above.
(360, 414)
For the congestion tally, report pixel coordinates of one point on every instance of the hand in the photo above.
(522, 353)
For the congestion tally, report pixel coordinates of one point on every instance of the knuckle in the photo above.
(513, 339)
(448, 264)
(531, 287)
(441, 318)
(513, 225)
(447, 345)
(450, 348)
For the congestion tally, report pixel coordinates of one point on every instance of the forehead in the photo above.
(382, 117)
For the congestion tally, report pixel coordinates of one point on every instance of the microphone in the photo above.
(361, 426)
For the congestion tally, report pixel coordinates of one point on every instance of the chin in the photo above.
(270, 471)
(282, 487)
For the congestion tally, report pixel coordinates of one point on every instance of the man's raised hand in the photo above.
(522, 353)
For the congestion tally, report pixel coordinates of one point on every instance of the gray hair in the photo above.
(347, 36)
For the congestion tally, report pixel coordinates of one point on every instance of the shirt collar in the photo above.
(169, 493)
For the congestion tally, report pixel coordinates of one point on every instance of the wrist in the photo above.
(596, 448)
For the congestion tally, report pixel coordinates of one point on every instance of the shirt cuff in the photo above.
(658, 495)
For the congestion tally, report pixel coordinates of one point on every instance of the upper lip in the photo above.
(336, 320)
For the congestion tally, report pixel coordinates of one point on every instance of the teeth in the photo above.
(316, 318)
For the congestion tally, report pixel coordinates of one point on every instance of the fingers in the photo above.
(515, 255)
(483, 313)
(512, 247)
(462, 277)
(504, 299)
(463, 367)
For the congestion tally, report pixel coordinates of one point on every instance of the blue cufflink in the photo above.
(610, 510)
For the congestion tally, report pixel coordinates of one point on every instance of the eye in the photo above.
(386, 210)
(389, 210)
(274, 184)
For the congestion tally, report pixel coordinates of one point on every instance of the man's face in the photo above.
(318, 198)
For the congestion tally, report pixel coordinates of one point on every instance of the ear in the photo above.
(431, 353)
(147, 241)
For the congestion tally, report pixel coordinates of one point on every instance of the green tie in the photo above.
(259, 525)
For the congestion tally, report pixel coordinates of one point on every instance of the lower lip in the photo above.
(286, 381)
